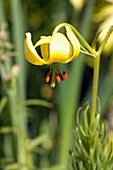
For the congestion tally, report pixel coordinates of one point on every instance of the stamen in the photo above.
(61, 76)
(55, 75)
(51, 74)
(65, 75)
(47, 78)
(58, 78)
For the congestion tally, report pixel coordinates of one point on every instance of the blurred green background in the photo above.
(37, 122)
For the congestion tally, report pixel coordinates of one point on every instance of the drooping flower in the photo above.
(54, 49)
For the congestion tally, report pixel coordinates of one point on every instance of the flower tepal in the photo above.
(54, 49)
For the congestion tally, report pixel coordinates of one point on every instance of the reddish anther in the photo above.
(58, 78)
(3, 58)
(47, 78)
(61, 76)
(65, 75)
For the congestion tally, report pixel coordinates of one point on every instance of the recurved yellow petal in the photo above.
(75, 43)
(45, 48)
(43, 40)
(30, 52)
(59, 48)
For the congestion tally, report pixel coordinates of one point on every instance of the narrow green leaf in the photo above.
(85, 118)
(3, 103)
(31, 143)
(92, 165)
(109, 150)
(79, 153)
(73, 162)
(111, 162)
(95, 40)
(81, 167)
(86, 106)
(95, 125)
(96, 143)
(38, 102)
(103, 134)
(84, 152)
(77, 135)
(81, 128)
(99, 165)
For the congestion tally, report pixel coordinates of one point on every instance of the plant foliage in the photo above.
(92, 149)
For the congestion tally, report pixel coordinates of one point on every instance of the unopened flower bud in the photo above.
(8, 45)
(15, 69)
(3, 58)
(7, 79)
(3, 35)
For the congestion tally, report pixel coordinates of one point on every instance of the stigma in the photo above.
(55, 75)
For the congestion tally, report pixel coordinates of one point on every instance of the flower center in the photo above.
(55, 74)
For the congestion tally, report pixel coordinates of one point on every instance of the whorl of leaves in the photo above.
(92, 149)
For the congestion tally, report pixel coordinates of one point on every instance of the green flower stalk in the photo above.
(96, 75)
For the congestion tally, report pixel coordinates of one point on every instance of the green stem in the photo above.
(19, 138)
(96, 75)
(95, 87)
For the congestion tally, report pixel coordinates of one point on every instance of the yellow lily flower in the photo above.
(54, 49)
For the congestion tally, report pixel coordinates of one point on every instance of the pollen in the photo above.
(47, 78)
(65, 75)
(61, 76)
(58, 78)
